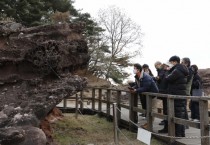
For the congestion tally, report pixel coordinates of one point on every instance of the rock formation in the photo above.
(205, 75)
(36, 66)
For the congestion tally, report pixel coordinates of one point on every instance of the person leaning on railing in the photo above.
(143, 83)
(162, 72)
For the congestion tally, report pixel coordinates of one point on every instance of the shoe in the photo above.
(164, 130)
(186, 127)
(144, 126)
(143, 115)
(162, 122)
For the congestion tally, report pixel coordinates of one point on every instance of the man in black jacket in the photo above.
(177, 85)
(162, 86)
(161, 72)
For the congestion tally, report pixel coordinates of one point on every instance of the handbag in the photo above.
(197, 92)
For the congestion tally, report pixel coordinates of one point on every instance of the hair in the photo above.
(145, 66)
(158, 63)
(138, 66)
(175, 58)
(150, 73)
(186, 61)
(195, 68)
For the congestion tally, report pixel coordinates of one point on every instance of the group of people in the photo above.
(175, 77)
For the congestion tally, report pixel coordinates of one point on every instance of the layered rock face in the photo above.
(36, 66)
(205, 75)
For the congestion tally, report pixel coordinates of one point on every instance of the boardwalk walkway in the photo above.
(191, 132)
(125, 116)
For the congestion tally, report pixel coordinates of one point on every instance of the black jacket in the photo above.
(197, 82)
(161, 82)
(177, 80)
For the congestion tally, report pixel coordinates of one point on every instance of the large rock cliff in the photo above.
(36, 66)
(205, 75)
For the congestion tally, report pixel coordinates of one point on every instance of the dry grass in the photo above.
(90, 130)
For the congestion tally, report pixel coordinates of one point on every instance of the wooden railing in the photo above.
(134, 108)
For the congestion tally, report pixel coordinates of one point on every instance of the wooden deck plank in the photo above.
(189, 132)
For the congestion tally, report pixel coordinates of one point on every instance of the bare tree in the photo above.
(123, 37)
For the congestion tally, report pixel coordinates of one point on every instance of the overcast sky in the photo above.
(170, 27)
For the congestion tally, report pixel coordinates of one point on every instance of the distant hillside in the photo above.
(93, 81)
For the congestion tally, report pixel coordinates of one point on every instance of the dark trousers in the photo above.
(165, 112)
(164, 106)
(195, 114)
(180, 112)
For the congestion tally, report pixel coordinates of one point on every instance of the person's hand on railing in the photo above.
(157, 78)
(132, 90)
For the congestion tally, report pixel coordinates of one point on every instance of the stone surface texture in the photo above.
(36, 73)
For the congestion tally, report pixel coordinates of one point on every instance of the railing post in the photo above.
(108, 102)
(204, 121)
(133, 102)
(81, 101)
(64, 104)
(149, 112)
(170, 111)
(116, 135)
(76, 106)
(93, 98)
(99, 100)
(118, 105)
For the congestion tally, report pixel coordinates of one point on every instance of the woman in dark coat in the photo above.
(196, 84)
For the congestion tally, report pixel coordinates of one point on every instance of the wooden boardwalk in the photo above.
(188, 132)
(191, 132)
(129, 111)
(125, 116)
